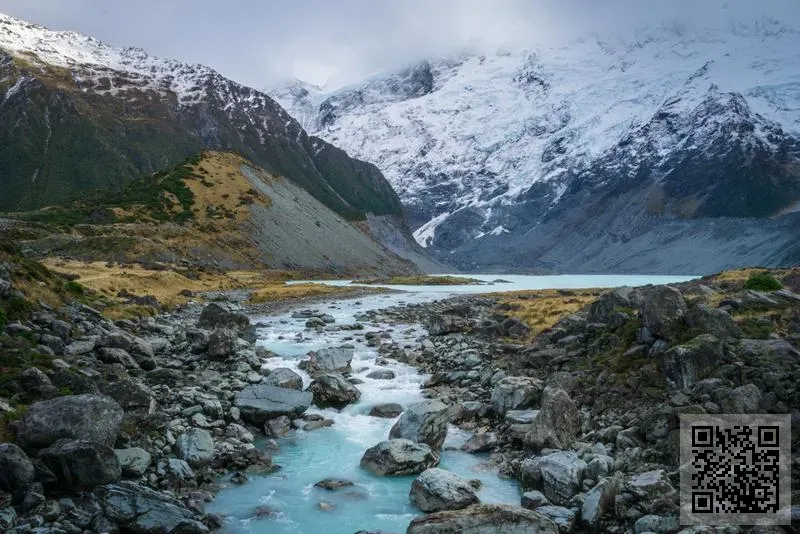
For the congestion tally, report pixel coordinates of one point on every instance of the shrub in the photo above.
(762, 282)
(74, 288)
(3, 320)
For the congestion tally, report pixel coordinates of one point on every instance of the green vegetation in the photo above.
(762, 282)
(74, 288)
(162, 196)
(3, 320)
(756, 327)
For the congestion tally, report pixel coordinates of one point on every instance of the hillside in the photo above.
(77, 115)
(672, 149)
(217, 211)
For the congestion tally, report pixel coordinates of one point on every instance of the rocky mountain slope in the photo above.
(77, 115)
(217, 211)
(672, 150)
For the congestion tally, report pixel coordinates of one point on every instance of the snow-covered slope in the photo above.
(468, 140)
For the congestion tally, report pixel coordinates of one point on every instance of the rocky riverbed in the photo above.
(128, 426)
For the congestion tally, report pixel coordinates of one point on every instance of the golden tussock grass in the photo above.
(541, 309)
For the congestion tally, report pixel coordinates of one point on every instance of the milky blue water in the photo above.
(373, 503)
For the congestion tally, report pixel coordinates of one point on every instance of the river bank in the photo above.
(169, 391)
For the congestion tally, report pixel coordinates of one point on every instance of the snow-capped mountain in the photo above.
(78, 115)
(484, 150)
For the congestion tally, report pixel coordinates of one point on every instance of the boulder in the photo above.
(483, 519)
(514, 327)
(516, 393)
(146, 511)
(436, 489)
(278, 427)
(564, 518)
(744, 399)
(663, 309)
(222, 344)
(217, 315)
(121, 356)
(333, 390)
(196, 446)
(36, 385)
(712, 321)
(331, 360)
(134, 461)
(90, 417)
(258, 403)
(533, 500)
(600, 499)
(381, 374)
(423, 422)
(283, 377)
(333, 484)
(140, 349)
(81, 463)
(608, 309)
(16, 469)
(389, 410)
(557, 424)
(558, 475)
(480, 442)
(441, 324)
(686, 364)
(398, 457)
(133, 397)
(650, 486)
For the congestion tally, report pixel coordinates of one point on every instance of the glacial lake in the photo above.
(373, 503)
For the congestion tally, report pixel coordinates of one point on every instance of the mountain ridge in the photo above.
(503, 143)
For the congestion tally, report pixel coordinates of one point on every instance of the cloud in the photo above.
(340, 41)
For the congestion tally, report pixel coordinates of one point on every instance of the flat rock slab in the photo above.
(259, 403)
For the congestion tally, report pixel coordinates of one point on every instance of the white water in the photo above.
(374, 503)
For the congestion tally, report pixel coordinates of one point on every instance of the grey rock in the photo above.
(441, 324)
(557, 424)
(398, 457)
(134, 461)
(558, 475)
(222, 344)
(533, 500)
(121, 356)
(80, 347)
(656, 523)
(143, 510)
(140, 349)
(423, 422)
(331, 360)
(8, 516)
(133, 397)
(712, 321)
(196, 446)
(283, 377)
(686, 364)
(480, 442)
(599, 500)
(381, 374)
(436, 489)
(516, 393)
(16, 470)
(81, 463)
(389, 410)
(663, 308)
(650, 485)
(521, 417)
(333, 484)
(175, 468)
(218, 315)
(258, 403)
(334, 390)
(277, 427)
(484, 519)
(37, 385)
(564, 518)
(315, 322)
(92, 417)
(744, 399)
(239, 432)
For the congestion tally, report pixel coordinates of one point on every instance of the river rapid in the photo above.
(372, 503)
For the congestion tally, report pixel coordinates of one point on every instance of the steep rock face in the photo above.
(623, 155)
(76, 115)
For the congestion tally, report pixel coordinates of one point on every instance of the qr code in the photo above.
(735, 469)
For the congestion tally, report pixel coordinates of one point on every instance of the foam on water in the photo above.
(373, 503)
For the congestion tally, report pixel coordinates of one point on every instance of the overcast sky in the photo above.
(259, 42)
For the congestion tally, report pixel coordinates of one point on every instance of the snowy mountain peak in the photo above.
(479, 131)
